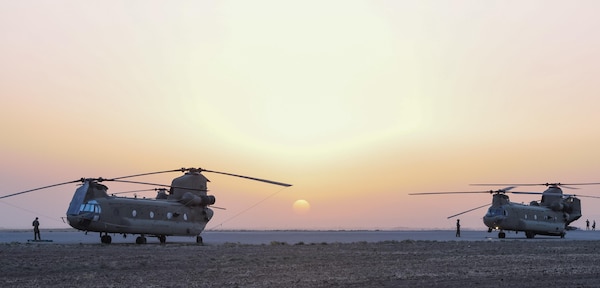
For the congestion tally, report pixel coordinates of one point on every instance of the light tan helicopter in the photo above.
(549, 216)
(183, 212)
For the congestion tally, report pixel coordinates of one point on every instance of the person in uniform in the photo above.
(36, 229)
(457, 227)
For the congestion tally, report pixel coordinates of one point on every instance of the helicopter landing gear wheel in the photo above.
(501, 235)
(140, 240)
(162, 239)
(562, 235)
(199, 240)
(529, 234)
(105, 239)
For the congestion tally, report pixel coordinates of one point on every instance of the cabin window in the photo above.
(151, 214)
(535, 216)
(169, 215)
(185, 216)
(133, 213)
(525, 216)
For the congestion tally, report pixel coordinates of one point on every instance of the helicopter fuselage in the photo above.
(140, 216)
(550, 219)
(187, 214)
(519, 217)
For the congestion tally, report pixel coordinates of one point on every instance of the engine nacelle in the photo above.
(191, 199)
(557, 206)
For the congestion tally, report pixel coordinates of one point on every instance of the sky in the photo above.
(355, 103)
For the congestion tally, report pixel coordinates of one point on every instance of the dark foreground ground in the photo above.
(408, 263)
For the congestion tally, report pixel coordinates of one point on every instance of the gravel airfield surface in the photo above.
(406, 263)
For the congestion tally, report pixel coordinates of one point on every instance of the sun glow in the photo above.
(301, 207)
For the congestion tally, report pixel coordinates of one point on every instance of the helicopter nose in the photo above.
(493, 221)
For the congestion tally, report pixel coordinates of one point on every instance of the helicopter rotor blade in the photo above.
(456, 192)
(134, 191)
(205, 170)
(152, 184)
(530, 193)
(40, 188)
(585, 196)
(152, 173)
(505, 190)
(543, 184)
(568, 187)
(247, 177)
(468, 211)
(578, 184)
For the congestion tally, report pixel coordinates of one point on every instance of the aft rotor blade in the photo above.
(153, 184)
(578, 184)
(468, 211)
(250, 178)
(585, 196)
(152, 173)
(49, 186)
(532, 193)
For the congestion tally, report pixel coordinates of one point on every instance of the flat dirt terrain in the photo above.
(515, 263)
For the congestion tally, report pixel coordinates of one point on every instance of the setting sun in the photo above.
(301, 207)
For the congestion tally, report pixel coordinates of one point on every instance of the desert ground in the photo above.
(406, 263)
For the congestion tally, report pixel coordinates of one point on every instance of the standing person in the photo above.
(457, 227)
(587, 224)
(594, 225)
(36, 229)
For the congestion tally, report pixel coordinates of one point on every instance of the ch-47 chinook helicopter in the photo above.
(183, 212)
(549, 216)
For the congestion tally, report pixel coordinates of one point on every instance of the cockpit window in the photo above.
(495, 211)
(91, 206)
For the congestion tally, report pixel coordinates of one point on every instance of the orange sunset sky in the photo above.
(355, 103)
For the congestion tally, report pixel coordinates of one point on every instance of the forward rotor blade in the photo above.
(459, 192)
(31, 190)
(133, 191)
(250, 178)
(480, 184)
(542, 184)
(504, 190)
(468, 211)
